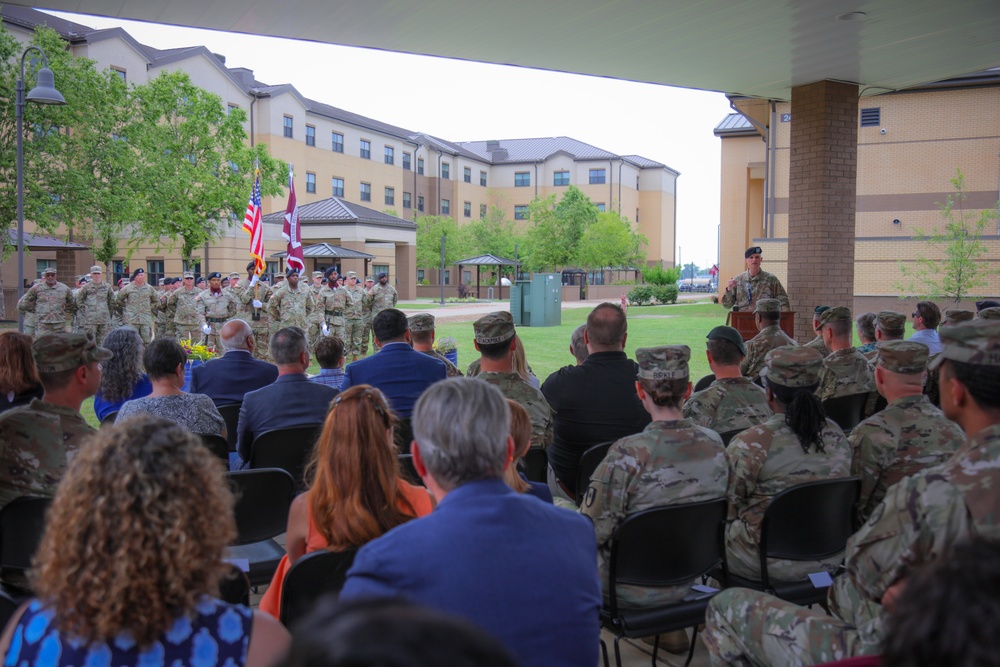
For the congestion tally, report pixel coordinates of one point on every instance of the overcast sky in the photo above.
(467, 101)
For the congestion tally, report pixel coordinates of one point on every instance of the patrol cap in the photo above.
(62, 352)
(291, 270)
(722, 332)
(49, 270)
(421, 322)
(975, 342)
(752, 250)
(987, 303)
(369, 279)
(495, 327)
(163, 282)
(383, 275)
(189, 275)
(667, 362)
(988, 314)
(96, 269)
(214, 274)
(891, 320)
(352, 274)
(793, 366)
(233, 275)
(956, 315)
(903, 356)
(768, 306)
(835, 314)
(317, 274)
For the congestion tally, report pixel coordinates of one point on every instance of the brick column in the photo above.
(822, 196)
(406, 271)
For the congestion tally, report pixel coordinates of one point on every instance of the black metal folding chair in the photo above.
(313, 576)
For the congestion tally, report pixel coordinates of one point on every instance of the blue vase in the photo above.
(452, 356)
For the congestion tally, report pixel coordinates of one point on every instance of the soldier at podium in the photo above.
(743, 291)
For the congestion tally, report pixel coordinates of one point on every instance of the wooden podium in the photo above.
(743, 322)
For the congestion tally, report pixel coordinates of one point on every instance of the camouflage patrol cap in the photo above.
(421, 322)
(317, 274)
(793, 366)
(369, 279)
(48, 270)
(667, 362)
(495, 327)
(989, 314)
(835, 314)
(975, 342)
(768, 306)
(956, 315)
(189, 274)
(96, 269)
(722, 332)
(62, 352)
(233, 275)
(163, 282)
(891, 320)
(352, 274)
(903, 356)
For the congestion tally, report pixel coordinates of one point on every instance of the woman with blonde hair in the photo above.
(521, 367)
(131, 559)
(520, 431)
(19, 381)
(355, 490)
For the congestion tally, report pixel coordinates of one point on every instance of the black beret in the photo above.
(383, 275)
(168, 281)
(251, 265)
(291, 270)
(988, 303)
(137, 272)
(752, 250)
(819, 310)
(330, 270)
(214, 274)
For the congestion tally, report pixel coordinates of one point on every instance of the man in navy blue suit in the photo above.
(523, 570)
(227, 379)
(292, 400)
(398, 371)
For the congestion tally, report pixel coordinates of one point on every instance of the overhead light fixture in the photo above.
(853, 16)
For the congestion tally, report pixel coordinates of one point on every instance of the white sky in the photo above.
(467, 101)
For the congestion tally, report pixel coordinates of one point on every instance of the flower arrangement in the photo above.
(445, 345)
(196, 351)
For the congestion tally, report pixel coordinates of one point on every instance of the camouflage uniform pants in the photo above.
(744, 627)
(315, 333)
(366, 329)
(46, 328)
(212, 339)
(145, 330)
(354, 333)
(262, 344)
(188, 332)
(743, 558)
(100, 331)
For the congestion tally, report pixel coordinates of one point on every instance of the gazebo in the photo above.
(329, 251)
(480, 261)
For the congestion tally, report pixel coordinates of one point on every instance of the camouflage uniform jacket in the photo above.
(137, 304)
(845, 372)
(452, 368)
(867, 349)
(245, 296)
(758, 347)
(762, 286)
(291, 307)
(183, 308)
(38, 441)
(329, 302)
(94, 303)
(50, 305)
(515, 388)
(668, 463)
(818, 345)
(357, 298)
(918, 520)
(728, 404)
(218, 305)
(907, 436)
(318, 315)
(382, 297)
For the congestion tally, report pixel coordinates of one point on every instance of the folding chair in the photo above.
(313, 576)
(263, 497)
(285, 448)
(217, 445)
(407, 470)
(535, 464)
(109, 419)
(22, 523)
(847, 411)
(705, 382)
(727, 436)
(231, 413)
(588, 464)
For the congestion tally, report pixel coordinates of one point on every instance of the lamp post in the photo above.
(43, 93)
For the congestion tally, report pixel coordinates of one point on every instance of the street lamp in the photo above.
(43, 93)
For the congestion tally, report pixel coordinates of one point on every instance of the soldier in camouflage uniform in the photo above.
(745, 290)
(137, 302)
(817, 343)
(732, 402)
(495, 342)
(335, 306)
(94, 302)
(253, 299)
(889, 325)
(919, 519)
(422, 335)
(185, 313)
(382, 296)
(216, 307)
(77, 325)
(671, 461)
(29, 318)
(291, 305)
(162, 319)
(357, 300)
(865, 324)
(318, 316)
(367, 316)
(40, 438)
(767, 316)
(952, 316)
(845, 370)
(992, 313)
(767, 459)
(51, 303)
(907, 436)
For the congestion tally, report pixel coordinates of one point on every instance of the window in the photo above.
(445, 206)
(600, 207)
(310, 135)
(230, 107)
(42, 264)
(637, 215)
(447, 276)
(233, 167)
(482, 211)
(420, 202)
(366, 149)
(560, 178)
(482, 178)
(119, 269)
(597, 176)
(390, 196)
(445, 171)
(420, 275)
(390, 155)
(522, 179)
(154, 271)
(406, 161)
(337, 142)
(420, 166)
(366, 192)
(270, 268)
(288, 126)
(120, 71)
(520, 212)
(407, 200)
(310, 182)
(193, 267)
(871, 117)
(467, 209)
(379, 268)
(467, 174)
(636, 182)
(467, 277)
(338, 187)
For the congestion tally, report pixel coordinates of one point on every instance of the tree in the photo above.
(430, 229)
(611, 242)
(963, 268)
(690, 270)
(556, 229)
(494, 234)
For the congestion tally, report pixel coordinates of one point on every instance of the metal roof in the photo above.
(336, 209)
(534, 150)
(487, 260)
(735, 123)
(41, 242)
(329, 250)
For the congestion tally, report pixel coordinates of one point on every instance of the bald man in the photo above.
(225, 380)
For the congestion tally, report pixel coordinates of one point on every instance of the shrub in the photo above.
(463, 290)
(640, 296)
(665, 293)
(657, 276)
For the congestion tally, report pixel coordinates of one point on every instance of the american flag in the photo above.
(253, 226)
(291, 230)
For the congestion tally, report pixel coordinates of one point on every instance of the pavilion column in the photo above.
(406, 271)
(822, 196)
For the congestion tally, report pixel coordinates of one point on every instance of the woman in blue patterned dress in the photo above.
(131, 560)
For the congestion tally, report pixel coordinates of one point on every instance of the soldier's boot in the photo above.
(675, 642)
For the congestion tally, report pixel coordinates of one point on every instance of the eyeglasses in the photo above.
(915, 314)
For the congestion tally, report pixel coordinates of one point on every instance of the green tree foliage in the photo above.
(611, 242)
(658, 276)
(963, 269)
(690, 270)
(430, 229)
(556, 229)
(493, 234)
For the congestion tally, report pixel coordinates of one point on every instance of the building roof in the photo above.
(735, 124)
(41, 242)
(336, 209)
(534, 150)
(28, 18)
(487, 260)
(329, 250)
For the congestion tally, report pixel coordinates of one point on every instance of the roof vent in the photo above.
(871, 117)
(492, 145)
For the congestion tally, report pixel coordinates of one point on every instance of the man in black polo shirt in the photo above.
(594, 402)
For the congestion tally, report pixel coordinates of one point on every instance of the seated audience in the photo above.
(798, 444)
(578, 344)
(818, 343)
(123, 377)
(355, 491)
(521, 570)
(330, 356)
(131, 560)
(19, 382)
(845, 370)
(164, 360)
(767, 317)
(520, 364)
(950, 317)
(520, 431)
(291, 400)
(926, 318)
(422, 330)
(865, 324)
(227, 379)
(986, 303)
(989, 314)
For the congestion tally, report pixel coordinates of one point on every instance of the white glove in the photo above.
(253, 281)
(256, 303)
(326, 329)
(206, 329)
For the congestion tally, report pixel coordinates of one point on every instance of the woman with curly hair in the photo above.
(355, 490)
(122, 376)
(131, 560)
(19, 381)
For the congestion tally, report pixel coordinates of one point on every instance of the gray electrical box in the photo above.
(537, 302)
